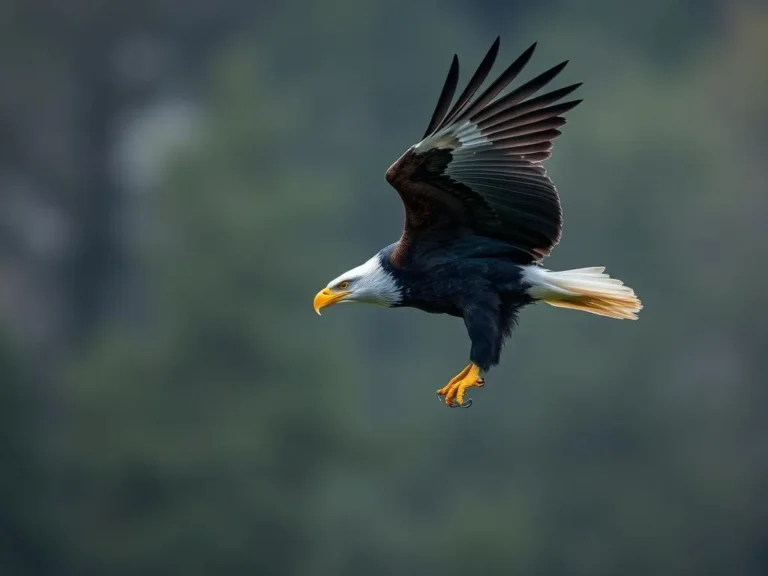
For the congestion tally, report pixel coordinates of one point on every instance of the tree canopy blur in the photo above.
(180, 178)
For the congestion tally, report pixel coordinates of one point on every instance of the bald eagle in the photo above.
(480, 216)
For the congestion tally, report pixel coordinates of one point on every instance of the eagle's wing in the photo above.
(478, 168)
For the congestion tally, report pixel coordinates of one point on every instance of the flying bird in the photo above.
(480, 216)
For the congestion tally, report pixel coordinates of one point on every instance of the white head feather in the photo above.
(369, 283)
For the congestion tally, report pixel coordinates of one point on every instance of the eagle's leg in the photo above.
(482, 320)
(454, 391)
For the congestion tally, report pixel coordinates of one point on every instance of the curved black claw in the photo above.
(466, 404)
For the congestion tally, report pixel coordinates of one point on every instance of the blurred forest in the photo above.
(178, 179)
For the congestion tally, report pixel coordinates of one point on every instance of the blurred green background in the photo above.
(179, 177)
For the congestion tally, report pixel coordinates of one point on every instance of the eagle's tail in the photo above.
(586, 289)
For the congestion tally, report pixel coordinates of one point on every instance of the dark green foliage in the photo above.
(24, 535)
(215, 425)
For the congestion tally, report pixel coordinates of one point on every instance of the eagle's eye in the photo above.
(343, 285)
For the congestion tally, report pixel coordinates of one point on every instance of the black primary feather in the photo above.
(479, 170)
(446, 95)
(475, 82)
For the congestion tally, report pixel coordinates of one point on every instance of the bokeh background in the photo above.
(179, 177)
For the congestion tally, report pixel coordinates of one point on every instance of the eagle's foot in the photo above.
(453, 392)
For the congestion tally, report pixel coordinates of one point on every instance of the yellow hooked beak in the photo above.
(328, 297)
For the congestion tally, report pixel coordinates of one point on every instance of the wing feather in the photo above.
(498, 85)
(446, 95)
(479, 171)
(475, 82)
(519, 94)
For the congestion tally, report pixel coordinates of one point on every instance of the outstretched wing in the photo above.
(478, 170)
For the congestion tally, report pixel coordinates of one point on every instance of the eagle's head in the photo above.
(372, 282)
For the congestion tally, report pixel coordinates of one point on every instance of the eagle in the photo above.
(480, 216)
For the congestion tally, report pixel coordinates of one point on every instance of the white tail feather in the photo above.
(587, 289)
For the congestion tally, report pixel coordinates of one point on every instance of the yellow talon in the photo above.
(454, 391)
(445, 389)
